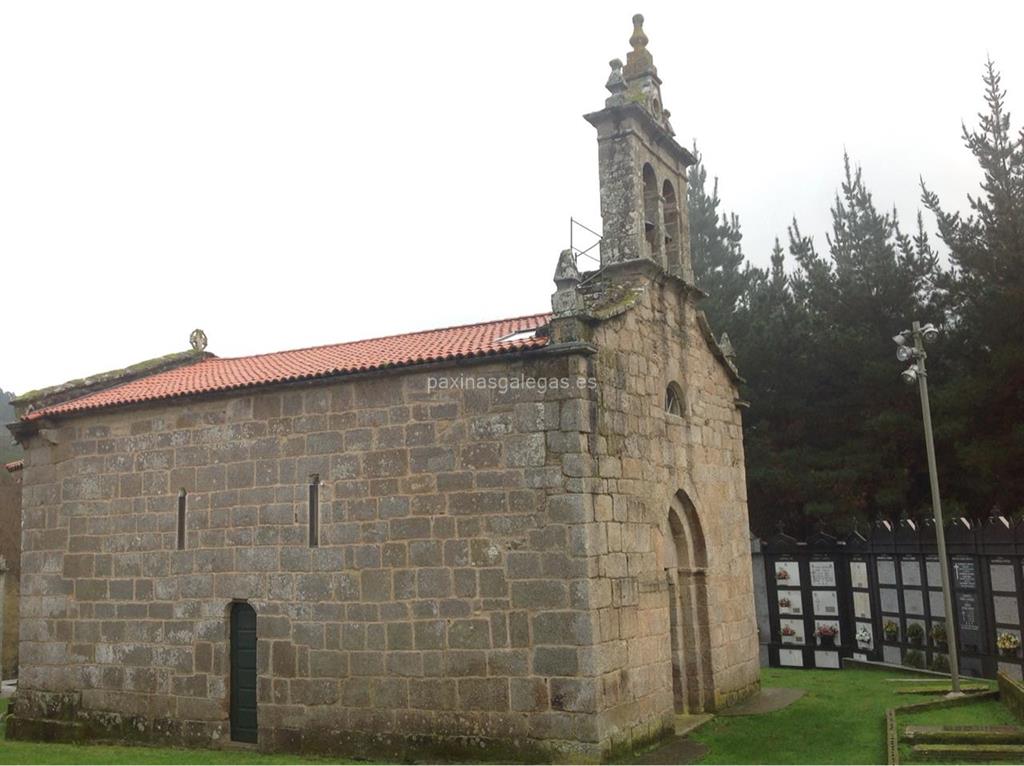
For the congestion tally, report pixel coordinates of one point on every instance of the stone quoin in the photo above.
(325, 550)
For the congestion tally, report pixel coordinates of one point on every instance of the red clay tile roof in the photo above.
(14, 465)
(216, 374)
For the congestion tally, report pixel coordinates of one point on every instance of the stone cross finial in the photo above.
(198, 340)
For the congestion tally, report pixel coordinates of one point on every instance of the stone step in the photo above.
(972, 753)
(965, 735)
(689, 723)
(939, 689)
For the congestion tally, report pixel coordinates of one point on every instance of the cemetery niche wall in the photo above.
(879, 597)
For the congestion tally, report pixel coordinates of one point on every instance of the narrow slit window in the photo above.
(182, 495)
(674, 400)
(314, 511)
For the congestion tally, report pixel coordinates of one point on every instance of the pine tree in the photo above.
(716, 250)
(832, 436)
(981, 407)
(772, 343)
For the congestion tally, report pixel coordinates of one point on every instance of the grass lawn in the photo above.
(841, 719)
(37, 752)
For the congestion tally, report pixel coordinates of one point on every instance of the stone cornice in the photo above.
(660, 136)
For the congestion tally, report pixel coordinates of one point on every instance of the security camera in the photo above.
(900, 339)
(904, 353)
(909, 375)
(930, 333)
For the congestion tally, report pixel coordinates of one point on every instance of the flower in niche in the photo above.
(1008, 643)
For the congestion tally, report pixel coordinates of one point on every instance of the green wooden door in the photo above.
(243, 673)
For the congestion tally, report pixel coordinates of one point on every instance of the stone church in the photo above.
(525, 536)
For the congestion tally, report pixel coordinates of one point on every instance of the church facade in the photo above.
(528, 535)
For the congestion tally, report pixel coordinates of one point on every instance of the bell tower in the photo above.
(642, 168)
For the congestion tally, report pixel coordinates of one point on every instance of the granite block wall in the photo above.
(447, 595)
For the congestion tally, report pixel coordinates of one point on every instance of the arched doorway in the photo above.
(690, 630)
(244, 725)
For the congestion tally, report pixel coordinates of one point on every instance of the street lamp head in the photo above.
(909, 375)
(904, 353)
(930, 333)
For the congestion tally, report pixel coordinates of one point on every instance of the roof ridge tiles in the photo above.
(483, 323)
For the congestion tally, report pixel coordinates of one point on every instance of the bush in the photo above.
(915, 633)
(913, 659)
(940, 663)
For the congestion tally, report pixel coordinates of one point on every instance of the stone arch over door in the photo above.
(690, 628)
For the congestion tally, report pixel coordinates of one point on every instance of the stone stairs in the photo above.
(959, 744)
(985, 735)
(943, 689)
(970, 753)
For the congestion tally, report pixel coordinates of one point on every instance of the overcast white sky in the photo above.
(289, 174)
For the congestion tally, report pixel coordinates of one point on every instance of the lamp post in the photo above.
(917, 372)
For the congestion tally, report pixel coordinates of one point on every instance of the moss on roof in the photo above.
(73, 388)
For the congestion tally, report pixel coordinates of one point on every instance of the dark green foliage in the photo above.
(717, 255)
(829, 419)
(833, 438)
(8, 450)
